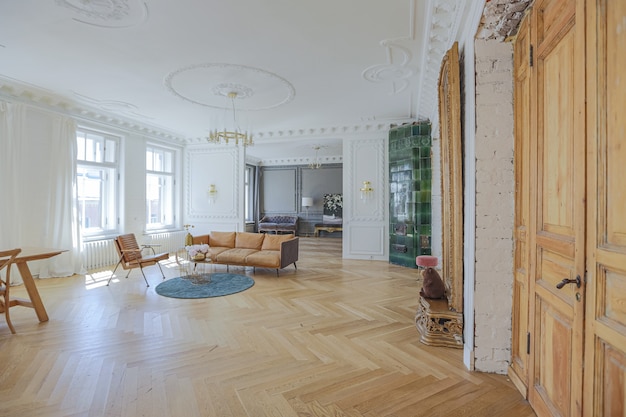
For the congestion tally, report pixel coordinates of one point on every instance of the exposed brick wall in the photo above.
(494, 205)
(501, 18)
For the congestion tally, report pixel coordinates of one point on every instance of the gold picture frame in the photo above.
(451, 177)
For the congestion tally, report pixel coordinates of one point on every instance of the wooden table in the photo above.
(33, 254)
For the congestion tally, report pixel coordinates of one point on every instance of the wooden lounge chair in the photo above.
(131, 256)
(6, 259)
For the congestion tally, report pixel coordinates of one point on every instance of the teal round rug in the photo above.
(204, 285)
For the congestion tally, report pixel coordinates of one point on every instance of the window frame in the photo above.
(169, 222)
(107, 162)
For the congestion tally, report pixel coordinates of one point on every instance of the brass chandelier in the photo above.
(316, 163)
(235, 135)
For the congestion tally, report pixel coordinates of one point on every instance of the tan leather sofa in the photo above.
(251, 249)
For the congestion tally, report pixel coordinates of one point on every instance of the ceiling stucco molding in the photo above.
(441, 29)
(332, 131)
(112, 14)
(325, 160)
(204, 85)
(329, 132)
(90, 110)
(397, 70)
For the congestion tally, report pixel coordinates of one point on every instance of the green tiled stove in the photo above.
(410, 149)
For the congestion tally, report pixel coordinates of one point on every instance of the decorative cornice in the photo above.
(301, 160)
(442, 25)
(99, 111)
(37, 97)
(334, 131)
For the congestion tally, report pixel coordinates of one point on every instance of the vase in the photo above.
(188, 239)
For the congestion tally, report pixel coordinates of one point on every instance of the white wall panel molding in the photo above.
(220, 166)
(369, 165)
(365, 223)
(366, 242)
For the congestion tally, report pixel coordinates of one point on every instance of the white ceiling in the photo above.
(308, 72)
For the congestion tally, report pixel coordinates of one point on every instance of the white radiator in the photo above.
(99, 253)
(170, 242)
(102, 253)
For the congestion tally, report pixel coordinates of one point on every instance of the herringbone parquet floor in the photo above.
(334, 338)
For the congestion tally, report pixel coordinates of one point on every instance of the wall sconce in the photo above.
(212, 193)
(366, 191)
(306, 203)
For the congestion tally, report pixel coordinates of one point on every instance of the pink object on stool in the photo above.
(426, 261)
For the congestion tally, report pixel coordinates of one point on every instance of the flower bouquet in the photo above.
(197, 252)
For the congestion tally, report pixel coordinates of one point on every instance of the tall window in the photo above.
(97, 179)
(249, 192)
(160, 183)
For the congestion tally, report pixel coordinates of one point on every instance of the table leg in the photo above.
(33, 294)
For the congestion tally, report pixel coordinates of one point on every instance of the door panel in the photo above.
(605, 329)
(558, 147)
(557, 230)
(552, 375)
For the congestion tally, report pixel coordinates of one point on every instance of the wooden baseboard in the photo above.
(518, 382)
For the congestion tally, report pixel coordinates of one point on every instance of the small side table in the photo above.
(328, 228)
(187, 270)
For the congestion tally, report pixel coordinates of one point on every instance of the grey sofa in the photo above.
(278, 224)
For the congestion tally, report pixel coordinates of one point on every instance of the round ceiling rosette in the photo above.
(210, 84)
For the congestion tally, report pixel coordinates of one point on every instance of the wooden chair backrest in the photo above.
(128, 249)
(6, 259)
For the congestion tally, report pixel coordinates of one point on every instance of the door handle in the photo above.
(569, 281)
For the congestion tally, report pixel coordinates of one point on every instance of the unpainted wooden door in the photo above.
(605, 329)
(557, 217)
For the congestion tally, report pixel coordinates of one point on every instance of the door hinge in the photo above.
(528, 343)
(530, 56)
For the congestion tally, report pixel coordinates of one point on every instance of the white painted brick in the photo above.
(494, 205)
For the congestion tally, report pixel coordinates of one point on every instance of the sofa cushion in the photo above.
(272, 242)
(246, 240)
(264, 259)
(223, 239)
(216, 250)
(234, 256)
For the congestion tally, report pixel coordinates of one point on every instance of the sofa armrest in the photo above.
(289, 252)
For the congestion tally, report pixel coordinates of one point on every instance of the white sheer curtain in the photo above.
(11, 121)
(38, 174)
